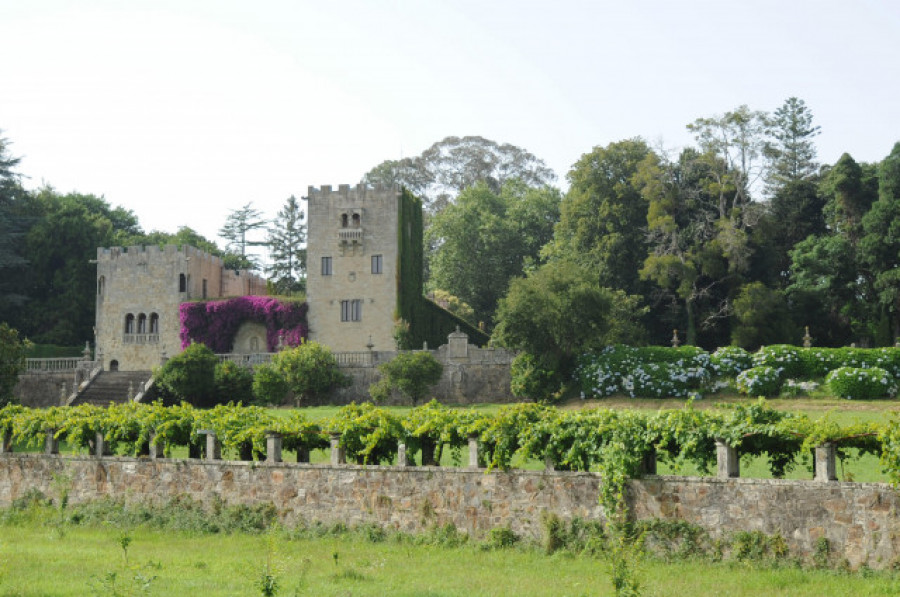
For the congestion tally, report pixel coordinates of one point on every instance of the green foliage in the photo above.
(861, 384)
(287, 249)
(780, 356)
(189, 376)
(529, 378)
(12, 361)
(269, 386)
(652, 371)
(761, 380)
(559, 312)
(762, 317)
(411, 373)
(310, 370)
(368, 434)
(237, 225)
(233, 383)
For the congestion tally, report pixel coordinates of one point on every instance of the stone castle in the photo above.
(355, 283)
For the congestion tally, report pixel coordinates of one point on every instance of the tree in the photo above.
(559, 311)
(287, 248)
(411, 373)
(485, 239)
(762, 318)
(792, 153)
(880, 245)
(12, 230)
(453, 164)
(603, 216)
(233, 383)
(60, 281)
(12, 362)
(190, 376)
(238, 223)
(310, 371)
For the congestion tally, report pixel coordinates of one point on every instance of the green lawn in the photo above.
(40, 560)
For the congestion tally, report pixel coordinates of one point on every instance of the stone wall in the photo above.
(42, 389)
(858, 519)
(471, 374)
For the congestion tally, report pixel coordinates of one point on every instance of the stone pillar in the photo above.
(273, 446)
(728, 465)
(101, 448)
(51, 444)
(648, 462)
(473, 451)
(401, 455)
(338, 456)
(549, 464)
(825, 463)
(213, 447)
(156, 450)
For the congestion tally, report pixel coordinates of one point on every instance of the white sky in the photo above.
(184, 110)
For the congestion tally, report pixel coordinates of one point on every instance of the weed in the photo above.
(500, 538)
(821, 553)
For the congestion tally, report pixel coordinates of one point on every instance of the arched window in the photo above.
(129, 324)
(154, 323)
(142, 324)
(344, 220)
(114, 365)
(356, 220)
(182, 283)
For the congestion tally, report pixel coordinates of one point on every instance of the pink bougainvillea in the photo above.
(215, 323)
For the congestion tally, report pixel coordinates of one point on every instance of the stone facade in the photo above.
(353, 268)
(139, 290)
(859, 520)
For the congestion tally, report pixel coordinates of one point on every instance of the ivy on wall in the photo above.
(426, 321)
(216, 323)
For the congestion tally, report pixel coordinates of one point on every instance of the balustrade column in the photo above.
(213, 447)
(101, 448)
(51, 444)
(473, 451)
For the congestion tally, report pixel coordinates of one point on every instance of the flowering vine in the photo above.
(216, 323)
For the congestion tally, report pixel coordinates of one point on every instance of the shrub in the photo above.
(652, 372)
(269, 386)
(310, 370)
(412, 373)
(760, 381)
(662, 380)
(12, 361)
(781, 356)
(531, 379)
(861, 384)
(728, 361)
(189, 376)
(233, 383)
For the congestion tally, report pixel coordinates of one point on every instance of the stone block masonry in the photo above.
(859, 520)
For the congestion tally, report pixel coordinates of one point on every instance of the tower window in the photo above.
(377, 262)
(326, 266)
(356, 220)
(154, 323)
(344, 220)
(142, 324)
(129, 324)
(351, 310)
(182, 283)
(101, 285)
(204, 288)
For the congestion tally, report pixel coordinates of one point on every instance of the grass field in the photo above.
(38, 559)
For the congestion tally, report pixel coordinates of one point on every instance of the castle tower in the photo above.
(139, 290)
(354, 269)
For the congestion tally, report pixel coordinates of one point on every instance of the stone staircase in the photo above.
(112, 386)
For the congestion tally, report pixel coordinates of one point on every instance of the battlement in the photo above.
(147, 253)
(359, 192)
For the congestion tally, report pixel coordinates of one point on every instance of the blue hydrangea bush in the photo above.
(760, 381)
(856, 383)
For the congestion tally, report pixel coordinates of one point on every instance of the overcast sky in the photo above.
(184, 110)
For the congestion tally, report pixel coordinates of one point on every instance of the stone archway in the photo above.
(250, 339)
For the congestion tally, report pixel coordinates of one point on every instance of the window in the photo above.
(101, 285)
(129, 324)
(326, 266)
(356, 220)
(142, 324)
(154, 323)
(344, 220)
(376, 264)
(182, 283)
(351, 310)
(204, 287)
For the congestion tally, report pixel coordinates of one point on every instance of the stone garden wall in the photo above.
(858, 519)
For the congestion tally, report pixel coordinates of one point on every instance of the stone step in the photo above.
(112, 387)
